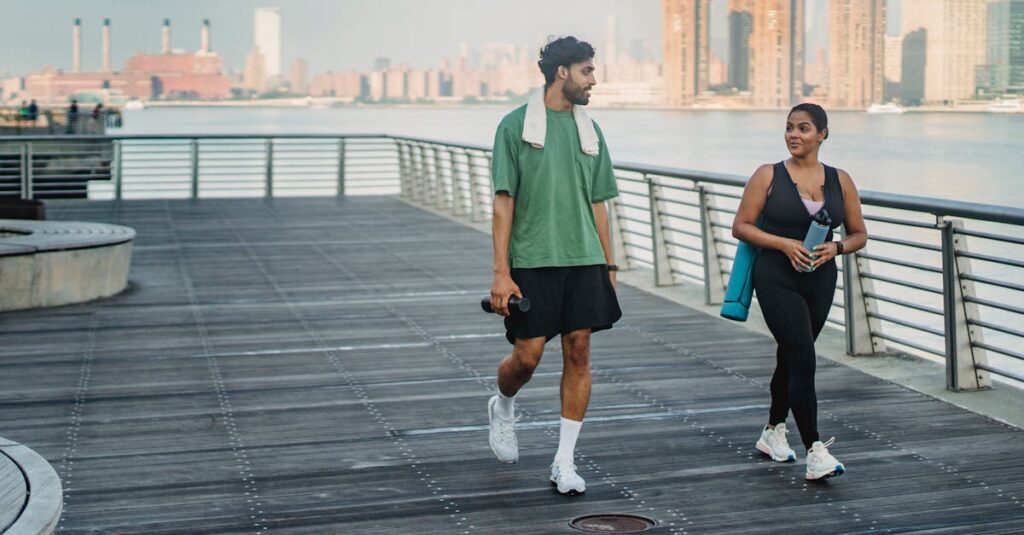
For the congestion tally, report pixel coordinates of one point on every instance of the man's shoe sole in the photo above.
(570, 492)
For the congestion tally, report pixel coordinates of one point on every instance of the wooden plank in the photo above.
(320, 365)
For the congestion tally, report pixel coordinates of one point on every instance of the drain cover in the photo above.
(613, 523)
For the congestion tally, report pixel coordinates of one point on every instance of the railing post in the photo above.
(662, 265)
(268, 190)
(118, 170)
(430, 190)
(458, 206)
(962, 356)
(405, 185)
(23, 172)
(194, 152)
(414, 174)
(489, 187)
(714, 283)
(618, 237)
(861, 326)
(443, 200)
(474, 195)
(29, 191)
(341, 167)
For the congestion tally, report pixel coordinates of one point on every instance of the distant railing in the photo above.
(54, 121)
(917, 287)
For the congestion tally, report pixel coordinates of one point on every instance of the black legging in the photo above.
(795, 306)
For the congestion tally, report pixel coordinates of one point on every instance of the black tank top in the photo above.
(786, 215)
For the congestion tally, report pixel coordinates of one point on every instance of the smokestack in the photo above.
(205, 37)
(106, 45)
(167, 37)
(76, 46)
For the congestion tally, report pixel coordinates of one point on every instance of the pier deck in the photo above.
(322, 366)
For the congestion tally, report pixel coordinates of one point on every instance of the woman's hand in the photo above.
(798, 256)
(824, 252)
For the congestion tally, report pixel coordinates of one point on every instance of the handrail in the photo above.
(675, 221)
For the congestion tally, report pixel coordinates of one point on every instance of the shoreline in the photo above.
(329, 104)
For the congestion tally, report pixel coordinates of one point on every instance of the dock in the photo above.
(321, 365)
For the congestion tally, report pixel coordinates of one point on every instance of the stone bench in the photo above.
(51, 263)
(30, 491)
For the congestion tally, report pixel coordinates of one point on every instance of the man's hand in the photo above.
(502, 288)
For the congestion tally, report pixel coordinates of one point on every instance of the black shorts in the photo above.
(562, 300)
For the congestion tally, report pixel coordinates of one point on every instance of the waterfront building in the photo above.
(740, 23)
(299, 77)
(685, 49)
(255, 77)
(856, 30)
(267, 38)
(776, 53)
(1003, 70)
(949, 49)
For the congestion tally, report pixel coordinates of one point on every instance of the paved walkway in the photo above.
(321, 366)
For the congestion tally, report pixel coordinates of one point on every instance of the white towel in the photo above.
(535, 127)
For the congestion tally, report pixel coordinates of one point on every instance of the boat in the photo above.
(1006, 105)
(134, 105)
(889, 108)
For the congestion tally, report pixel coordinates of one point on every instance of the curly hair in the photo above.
(564, 51)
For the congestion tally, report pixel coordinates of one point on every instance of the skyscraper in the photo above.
(685, 49)
(255, 76)
(777, 53)
(856, 30)
(912, 75)
(610, 54)
(954, 45)
(299, 76)
(1003, 71)
(740, 21)
(267, 38)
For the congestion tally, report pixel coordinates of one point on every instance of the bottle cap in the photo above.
(823, 218)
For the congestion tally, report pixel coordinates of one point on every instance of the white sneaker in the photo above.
(502, 434)
(773, 443)
(565, 478)
(821, 464)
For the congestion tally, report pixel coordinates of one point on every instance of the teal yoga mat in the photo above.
(740, 290)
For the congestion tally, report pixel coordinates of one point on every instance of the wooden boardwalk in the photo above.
(322, 366)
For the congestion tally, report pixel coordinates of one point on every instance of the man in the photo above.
(552, 175)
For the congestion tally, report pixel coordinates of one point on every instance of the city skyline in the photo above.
(363, 30)
(135, 30)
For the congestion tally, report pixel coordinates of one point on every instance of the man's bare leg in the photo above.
(514, 371)
(575, 398)
(575, 374)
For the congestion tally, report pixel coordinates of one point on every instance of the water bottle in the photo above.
(515, 304)
(820, 225)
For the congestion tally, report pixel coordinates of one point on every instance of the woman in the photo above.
(795, 302)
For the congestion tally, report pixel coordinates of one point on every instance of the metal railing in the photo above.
(917, 287)
(174, 166)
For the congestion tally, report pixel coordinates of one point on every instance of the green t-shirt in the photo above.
(553, 187)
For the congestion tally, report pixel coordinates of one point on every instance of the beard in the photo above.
(575, 93)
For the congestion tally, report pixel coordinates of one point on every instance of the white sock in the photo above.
(505, 406)
(569, 430)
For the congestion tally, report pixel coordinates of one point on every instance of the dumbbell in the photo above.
(514, 303)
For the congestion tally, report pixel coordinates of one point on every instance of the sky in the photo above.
(329, 34)
(335, 34)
